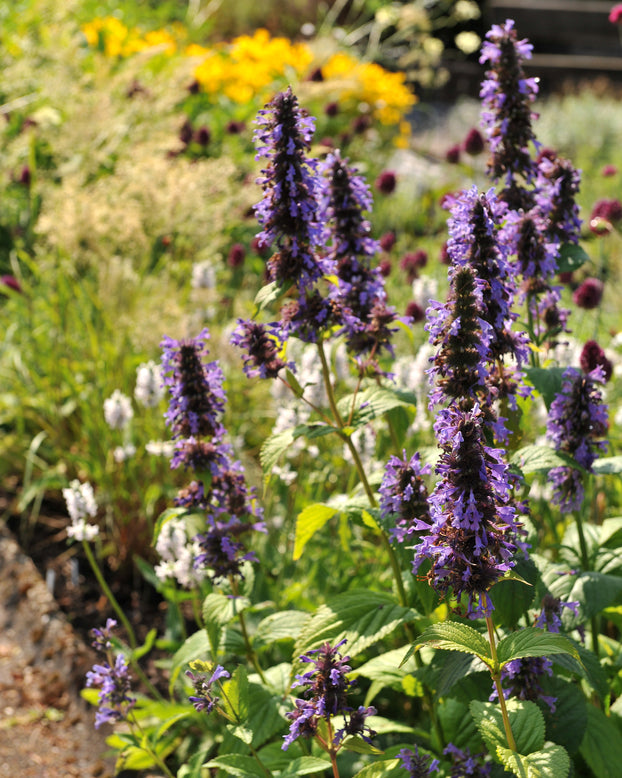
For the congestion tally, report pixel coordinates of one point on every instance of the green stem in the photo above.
(107, 591)
(331, 750)
(585, 564)
(144, 744)
(395, 568)
(123, 618)
(250, 652)
(496, 677)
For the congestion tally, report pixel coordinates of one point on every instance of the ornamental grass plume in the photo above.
(472, 534)
(576, 426)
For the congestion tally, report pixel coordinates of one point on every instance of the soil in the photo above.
(48, 605)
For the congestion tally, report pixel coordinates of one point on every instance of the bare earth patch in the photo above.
(46, 729)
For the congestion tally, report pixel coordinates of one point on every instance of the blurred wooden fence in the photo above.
(573, 40)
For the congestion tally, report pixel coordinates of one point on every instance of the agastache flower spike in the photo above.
(576, 425)
(358, 300)
(476, 241)
(404, 494)
(197, 399)
(325, 689)
(472, 536)
(507, 96)
(261, 344)
(462, 338)
(112, 678)
(288, 209)
(418, 765)
(204, 699)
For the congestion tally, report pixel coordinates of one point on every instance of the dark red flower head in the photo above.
(474, 142)
(237, 252)
(386, 182)
(589, 294)
(452, 155)
(592, 355)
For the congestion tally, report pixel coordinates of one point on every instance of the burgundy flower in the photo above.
(592, 355)
(237, 252)
(331, 109)
(235, 128)
(203, 136)
(361, 124)
(412, 262)
(610, 210)
(474, 142)
(452, 155)
(385, 268)
(387, 241)
(11, 282)
(608, 171)
(386, 182)
(444, 255)
(589, 294)
(415, 311)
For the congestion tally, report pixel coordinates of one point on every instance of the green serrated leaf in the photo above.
(489, 721)
(532, 641)
(602, 745)
(235, 696)
(512, 597)
(268, 294)
(222, 609)
(313, 430)
(565, 725)
(452, 636)
(541, 459)
(380, 769)
(308, 522)
(360, 616)
(197, 646)
(608, 465)
(547, 380)
(373, 403)
(571, 257)
(359, 746)
(587, 667)
(592, 590)
(238, 765)
(305, 765)
(293, 383)
(284, 625)
(273, 448)
(551, 762)
(611, 532)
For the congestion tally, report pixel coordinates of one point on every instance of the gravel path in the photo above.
(46, 729)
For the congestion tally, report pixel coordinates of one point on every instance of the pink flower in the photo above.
(615, 15)
(608, 171)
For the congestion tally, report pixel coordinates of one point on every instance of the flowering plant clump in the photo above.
(442, 500)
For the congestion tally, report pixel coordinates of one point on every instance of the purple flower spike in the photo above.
(473, 532)
(418, 765)
(359, 295)
(507, 96)
(204, 698)
(197, 399)
(404, 494)
(467, 764)
(262, 345)
(114, 682)
(577, 422)
(288, 209)
(522, 680)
